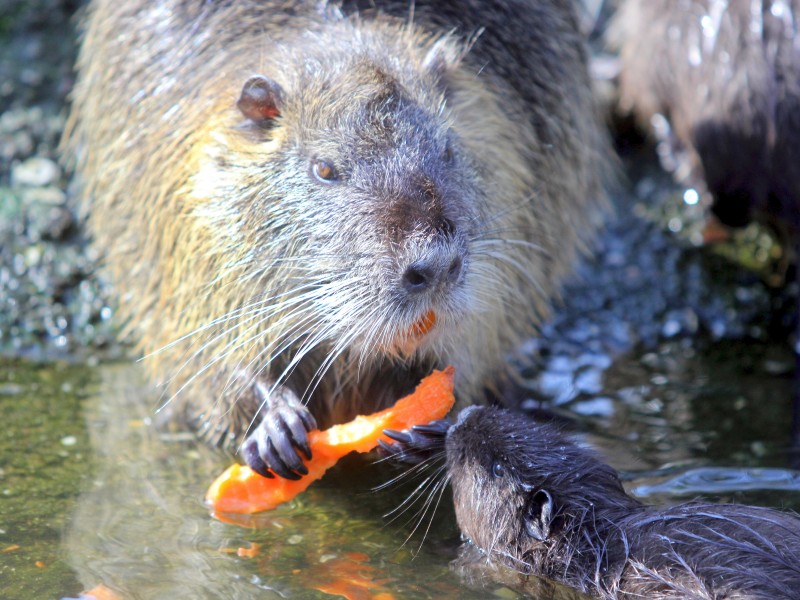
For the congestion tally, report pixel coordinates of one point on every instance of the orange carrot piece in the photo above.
(241, 490)
(100, 592)
(251, 552)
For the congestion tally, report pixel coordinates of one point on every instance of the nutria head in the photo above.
(368, 189)
(360, 204)
(521, 487)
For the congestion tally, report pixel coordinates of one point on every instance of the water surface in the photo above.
(93, 494)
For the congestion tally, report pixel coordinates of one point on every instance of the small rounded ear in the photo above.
(261, 99)
(538, 515)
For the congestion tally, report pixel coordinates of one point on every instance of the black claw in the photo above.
(309, 422)
(396, 452)
(293, 460)
(388, 450)
(282, 443)
(418, 444)
(276, 464)
(303, 446)
(296, 428)
(254, 461)
(404, 437)
(436, 428)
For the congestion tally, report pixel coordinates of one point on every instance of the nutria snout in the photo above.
(533, 500)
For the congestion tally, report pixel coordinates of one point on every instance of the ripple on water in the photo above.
(722, 480)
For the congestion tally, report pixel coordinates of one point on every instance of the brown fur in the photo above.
(237, 271)
(595, 537)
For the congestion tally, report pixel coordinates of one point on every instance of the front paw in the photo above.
(274, 446)
(416, 445)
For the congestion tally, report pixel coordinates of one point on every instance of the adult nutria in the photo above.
(531, 499)
(308, 206)
(721, 82)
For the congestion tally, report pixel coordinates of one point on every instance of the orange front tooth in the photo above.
(424, 325)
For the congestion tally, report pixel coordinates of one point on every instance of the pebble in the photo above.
(35, 172)
(49, 194)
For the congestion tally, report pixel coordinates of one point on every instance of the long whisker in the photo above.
(442, 487)
(412, 471)
(439, 484)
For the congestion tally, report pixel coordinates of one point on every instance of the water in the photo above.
(91, 493)
(45, 459)
(671, 360)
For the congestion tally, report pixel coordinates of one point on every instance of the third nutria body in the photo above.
(722, 80)
(306, 207)
(534, 501)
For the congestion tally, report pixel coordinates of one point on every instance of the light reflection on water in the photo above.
(721, 480)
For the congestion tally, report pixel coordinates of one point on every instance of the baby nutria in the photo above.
(531, 499)
(721, 81)
(307, 206)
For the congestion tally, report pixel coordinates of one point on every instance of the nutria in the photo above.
(721, 83)
(308, 206)
(533, 500)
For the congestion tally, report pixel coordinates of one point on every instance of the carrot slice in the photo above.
(241, 490)
(99, 592)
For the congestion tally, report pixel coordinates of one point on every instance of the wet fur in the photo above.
(591, 535)
(239, 274)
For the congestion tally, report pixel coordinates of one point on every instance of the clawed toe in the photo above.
(276, 444)
(417, 444)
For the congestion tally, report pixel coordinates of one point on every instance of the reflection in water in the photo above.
(141, 528)
(138, 527)
(719, 480)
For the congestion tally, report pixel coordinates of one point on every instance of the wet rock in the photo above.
(49, 222)
(49, 195)
(644, 287)
(35, 172)
(52, 305)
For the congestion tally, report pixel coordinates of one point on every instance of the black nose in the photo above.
(427, 273)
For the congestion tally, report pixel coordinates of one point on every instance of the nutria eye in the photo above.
(324, 171)
(498, 470)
